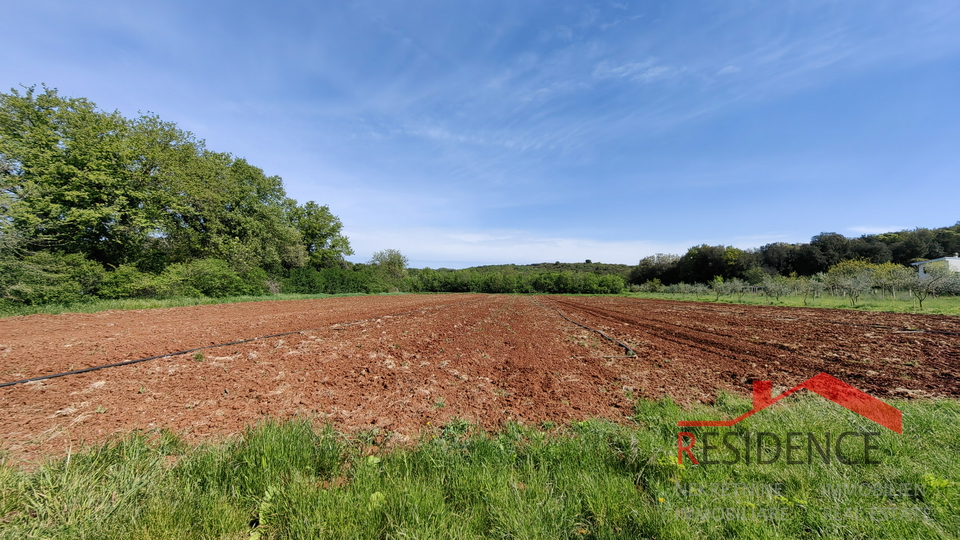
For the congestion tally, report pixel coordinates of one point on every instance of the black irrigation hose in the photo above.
(137, 361)
(630, 352)
(187, 351)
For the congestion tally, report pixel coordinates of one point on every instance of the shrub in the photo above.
(652, 285)
(127, 281)
(255, 282)
(309, 280)
(52, 278)
(203, 277)
(304, 280)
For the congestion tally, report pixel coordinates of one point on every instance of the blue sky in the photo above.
(490, 132)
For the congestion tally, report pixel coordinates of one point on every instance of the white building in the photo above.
(953, 263)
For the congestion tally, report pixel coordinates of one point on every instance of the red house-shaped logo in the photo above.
(827, 386)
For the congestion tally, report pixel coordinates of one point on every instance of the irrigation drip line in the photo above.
(188, 351)
(137, 361)
(630, 352)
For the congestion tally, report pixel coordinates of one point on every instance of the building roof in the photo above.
(956, 257)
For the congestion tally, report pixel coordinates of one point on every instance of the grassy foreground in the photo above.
(591, 479)
(943, 305)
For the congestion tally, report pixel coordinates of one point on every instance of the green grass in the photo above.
(590, 479)
(943, 305)
(98, 305)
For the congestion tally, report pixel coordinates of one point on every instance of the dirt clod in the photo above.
(405, 363)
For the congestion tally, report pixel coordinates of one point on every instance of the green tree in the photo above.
(661, 267)
(892, 277)
(141, 195)
(755, 276)
(68, 179)
(833, 247)
(320, 234)
(737, 287)
(221, 207)
(774, 287)
(937, 277)
(391, 264)
(47, 278)
(807, 287)
(719, 287)
(700, 263)
(854, 277)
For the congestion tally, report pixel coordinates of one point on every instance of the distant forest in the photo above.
(704, 263)
(700, 264)
(96, 205)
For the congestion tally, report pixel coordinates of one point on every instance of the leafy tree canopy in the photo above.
(78, 180)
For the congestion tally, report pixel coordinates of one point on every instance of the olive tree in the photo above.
(809, 287)
(937, 278)
(893, 277)
(775, 287)
(738, 287)
(853, 278)
(720, 287)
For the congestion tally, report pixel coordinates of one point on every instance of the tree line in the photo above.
(93, 204)
(370, 278)
(852, 279)
(96, 205)
(701, 264)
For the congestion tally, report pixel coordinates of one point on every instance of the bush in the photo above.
(652, 285)
(255, 282)
(304, 280)
(203, 277)
(309, 280)
(127, 282)
(51, 278)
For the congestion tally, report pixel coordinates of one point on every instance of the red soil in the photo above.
(399, 363)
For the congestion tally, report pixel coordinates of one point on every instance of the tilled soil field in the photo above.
(400, 363)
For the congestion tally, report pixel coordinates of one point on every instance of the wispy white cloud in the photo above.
(424, 120)
(644, 72)
(609, 25)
